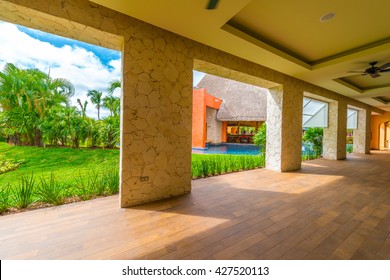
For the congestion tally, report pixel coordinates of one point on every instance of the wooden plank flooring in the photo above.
(328, 210)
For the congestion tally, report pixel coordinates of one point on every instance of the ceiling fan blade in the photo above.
(212, 5)
(357, 71)
(384, 70)
(374, 75)
(384, 66)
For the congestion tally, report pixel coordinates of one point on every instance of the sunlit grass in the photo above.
(65, 163)
(204, 165)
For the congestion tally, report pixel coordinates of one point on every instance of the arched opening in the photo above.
(384, 135)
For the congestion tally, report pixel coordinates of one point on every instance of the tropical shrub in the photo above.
(52, 191)
(25, 97)
(23, 195)
(210, 165)
(110, 180)
(6, 166)
(5, 195)
(260, 138)
(314, 136)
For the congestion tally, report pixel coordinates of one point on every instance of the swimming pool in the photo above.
(230, 149)
(243, 149)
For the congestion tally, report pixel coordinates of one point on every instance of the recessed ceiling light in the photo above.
(327, 17)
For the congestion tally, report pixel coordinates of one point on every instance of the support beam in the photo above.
(284, 128)
(334, 141)
(362, 135)
(156, 120)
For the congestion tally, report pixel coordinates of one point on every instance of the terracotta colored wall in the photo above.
(198, 118)
(224, 131)
(200, 100)
(376, 121)
(212, 101)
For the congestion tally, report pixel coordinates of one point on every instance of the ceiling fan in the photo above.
(374, 71)
(212, 4)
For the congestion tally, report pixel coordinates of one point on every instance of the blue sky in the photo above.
(86, 66)
(105, 55)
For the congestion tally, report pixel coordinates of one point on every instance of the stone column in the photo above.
(362, 135)
(156, 117)
(334, 141)
(284, 128)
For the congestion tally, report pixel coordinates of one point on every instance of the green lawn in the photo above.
(65, 163)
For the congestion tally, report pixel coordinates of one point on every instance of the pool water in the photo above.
(230, 149)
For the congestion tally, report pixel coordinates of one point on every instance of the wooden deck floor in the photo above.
(328, 210)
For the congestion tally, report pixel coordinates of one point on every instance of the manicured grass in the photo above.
(65, 163)
(204, 165)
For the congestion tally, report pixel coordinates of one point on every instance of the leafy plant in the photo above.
(52, 191)
(6, 166)
(110, 180)
(5, 193)
(210, 165)
(314, 135)
(260, 138)
(89, 185)
(23, 195)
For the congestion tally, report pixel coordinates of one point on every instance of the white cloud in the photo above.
(82, 67)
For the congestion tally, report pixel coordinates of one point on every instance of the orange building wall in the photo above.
(224, 131)
(376, 121)
(200, 100)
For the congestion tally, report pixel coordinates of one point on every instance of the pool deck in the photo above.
(327, 210)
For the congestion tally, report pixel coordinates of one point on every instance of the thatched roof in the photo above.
(241, 102)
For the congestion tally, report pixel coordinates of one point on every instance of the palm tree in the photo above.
(112, 103)
(25, 96)
(83, 107)
(113, 85)
(96, 99)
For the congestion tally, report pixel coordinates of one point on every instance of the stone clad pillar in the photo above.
(156, 117)
(284, 128)
(362, 135)
(334, 141)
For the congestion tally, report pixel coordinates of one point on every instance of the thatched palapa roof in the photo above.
(241, 102)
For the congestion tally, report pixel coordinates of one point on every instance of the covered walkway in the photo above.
(327, 210)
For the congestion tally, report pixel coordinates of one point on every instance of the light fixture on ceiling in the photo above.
(212, 4)
(327, 17)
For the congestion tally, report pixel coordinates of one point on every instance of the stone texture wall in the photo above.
(334, 141)
(156, 121)
(274, 129)
(292, 127)
(284, 128)
(361, 135)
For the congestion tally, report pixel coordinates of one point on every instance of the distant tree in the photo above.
(314, 135)
(260, 137)
(25, 97)
(112, 103)
(113, 85)
(110, 131)
(83, 107)
(96, 99)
